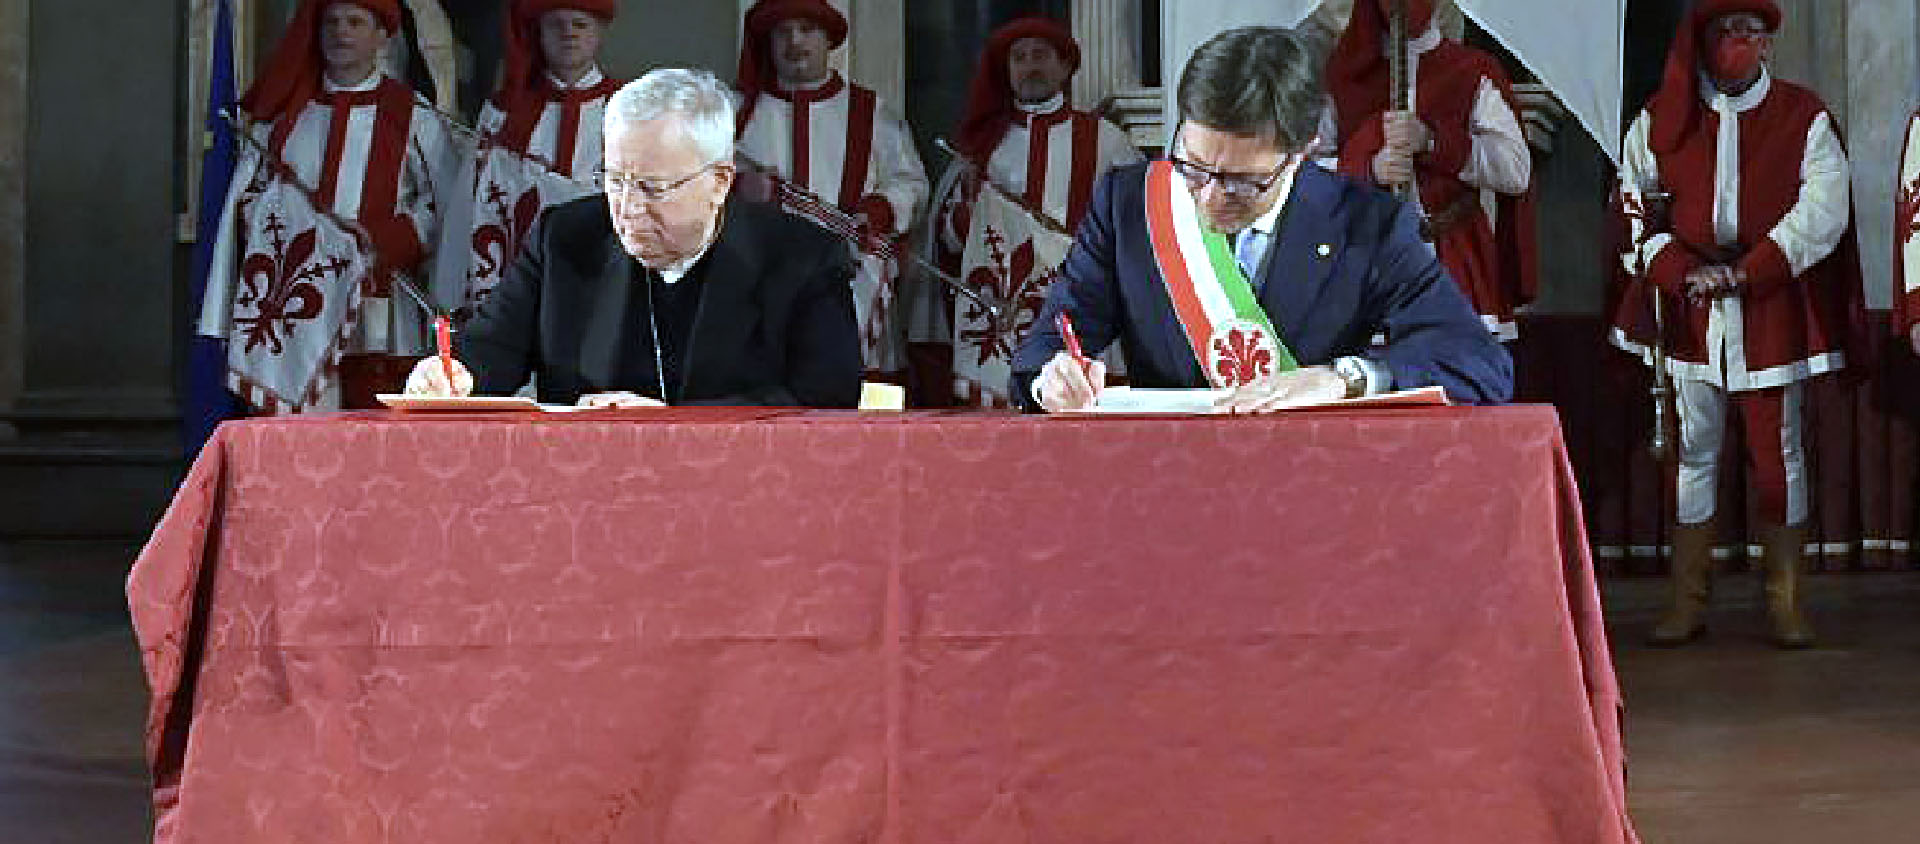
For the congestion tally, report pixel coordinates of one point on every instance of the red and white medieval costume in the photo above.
(1044, 160)
(540, 145)
(1759, 183)
(1474, 183)
(310, 323)
(841, 143)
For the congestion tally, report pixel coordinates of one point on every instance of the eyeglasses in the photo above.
(1237, 185)
(625, 186)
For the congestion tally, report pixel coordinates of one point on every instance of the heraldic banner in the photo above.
(1009, 260)
(485, 227)
(294, 306)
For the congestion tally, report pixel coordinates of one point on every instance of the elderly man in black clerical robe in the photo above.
(663, 291)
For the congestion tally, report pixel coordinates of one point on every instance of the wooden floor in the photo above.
(1728, 740)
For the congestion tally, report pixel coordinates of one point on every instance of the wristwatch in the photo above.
(1353, 371)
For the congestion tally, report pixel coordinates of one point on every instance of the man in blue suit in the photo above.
(1237, 233)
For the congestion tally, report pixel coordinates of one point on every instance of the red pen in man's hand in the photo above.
(1072, 339)
(443, 336)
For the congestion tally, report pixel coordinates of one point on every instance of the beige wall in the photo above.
(1861, 58)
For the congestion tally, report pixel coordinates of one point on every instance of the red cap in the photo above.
(1676, 108)
(292, 75)
(756, 67)
(1357, 71)
(990, 108)
(388, 11)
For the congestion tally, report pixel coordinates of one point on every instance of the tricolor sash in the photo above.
(1232, 339)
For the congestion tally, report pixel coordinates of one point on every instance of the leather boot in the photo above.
(1691, 563)
(1783, 546)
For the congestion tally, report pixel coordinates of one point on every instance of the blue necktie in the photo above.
(1250, 251)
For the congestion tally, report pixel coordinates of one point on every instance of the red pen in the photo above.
(443, 335)
(1072, 339)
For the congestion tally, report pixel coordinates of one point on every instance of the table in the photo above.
(789, 626)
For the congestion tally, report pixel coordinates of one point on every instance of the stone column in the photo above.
(1880, 94)
(1811, 49)
(13, 199)
(876, 51)
(1109, 36)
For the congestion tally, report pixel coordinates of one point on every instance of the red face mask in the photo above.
(1735, 58)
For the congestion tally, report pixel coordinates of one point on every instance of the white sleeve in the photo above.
(1500, 159)
(1639, 172)
(897, 172)
(1813, 227)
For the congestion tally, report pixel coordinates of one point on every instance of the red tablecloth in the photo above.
(743, 626)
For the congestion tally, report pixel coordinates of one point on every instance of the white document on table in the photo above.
(1146, 400)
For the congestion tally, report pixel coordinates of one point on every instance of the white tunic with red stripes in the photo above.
(336, 158)
(1051, 158)
(839, 151)
(840, 143)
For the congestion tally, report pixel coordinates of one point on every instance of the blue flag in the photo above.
(205, 397)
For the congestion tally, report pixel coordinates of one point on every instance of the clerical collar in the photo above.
(371, 82)
(1747, 100)
(679, 271)
(592, 77)
(1047, 106)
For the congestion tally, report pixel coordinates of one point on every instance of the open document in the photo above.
(1135, 400)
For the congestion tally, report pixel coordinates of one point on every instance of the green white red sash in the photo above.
(1232, 339)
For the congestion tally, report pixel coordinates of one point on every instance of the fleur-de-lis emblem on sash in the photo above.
(1242, 353)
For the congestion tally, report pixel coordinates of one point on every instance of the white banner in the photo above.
(487, 219)
(1577, 49)
(1009, 260)
(295, 295)
(1907, 211)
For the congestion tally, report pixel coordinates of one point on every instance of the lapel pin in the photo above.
(1325, 250)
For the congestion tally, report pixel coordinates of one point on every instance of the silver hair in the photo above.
(699, 103)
